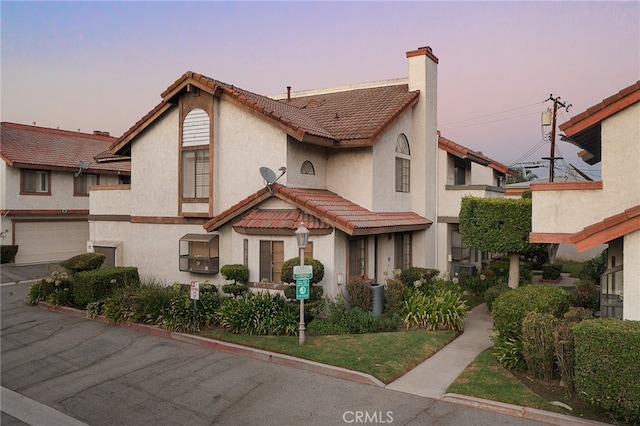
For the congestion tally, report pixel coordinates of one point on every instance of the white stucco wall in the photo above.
(348, 172)
(106, 200)
(297, 154)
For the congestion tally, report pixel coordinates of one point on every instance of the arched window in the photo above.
(403, 164)
(195, 154)
(307, 168)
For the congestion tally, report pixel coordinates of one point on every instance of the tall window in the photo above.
(35, 181)
(403, 164)
(459, 172)
(82, 183)
(195, 154)
(245, 252)
(358, 258)
(403, 251)
(271, 260)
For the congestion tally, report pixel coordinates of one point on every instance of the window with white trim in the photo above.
(195, 154)
(35, 181)
(403, 164)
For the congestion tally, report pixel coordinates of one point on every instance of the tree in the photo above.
(524, 175)
(498, 225)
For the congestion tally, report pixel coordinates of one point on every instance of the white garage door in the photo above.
(50, 241)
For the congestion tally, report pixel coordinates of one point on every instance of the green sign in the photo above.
(302, 288)
(302, 271)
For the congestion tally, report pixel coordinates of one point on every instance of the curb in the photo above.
(517, 411)
(259, 354)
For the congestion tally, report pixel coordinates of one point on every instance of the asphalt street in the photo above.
(99, 374)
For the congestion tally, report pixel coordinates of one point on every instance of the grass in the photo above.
(386, 356)
(486, 378)
(571, 267)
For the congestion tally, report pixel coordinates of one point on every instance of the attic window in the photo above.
(195, 128)
(307, 168)
(402, 144)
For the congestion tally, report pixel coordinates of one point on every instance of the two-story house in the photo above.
(44, 196)
(590, 213)
(357, 164)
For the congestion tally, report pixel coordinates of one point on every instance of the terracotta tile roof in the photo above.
(331, 209)
(474, 156)
(342, 119)
(274, 221)
(39, 147)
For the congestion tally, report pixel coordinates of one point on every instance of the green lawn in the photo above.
(386, 356)
(571, 267)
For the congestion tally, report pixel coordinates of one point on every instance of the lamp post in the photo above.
(302, 235)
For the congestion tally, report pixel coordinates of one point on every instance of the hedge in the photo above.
(8, 253)
(510, 308)
(286, 275)
(607, 365)
(236, 272)
(83, 262)
(92, 286)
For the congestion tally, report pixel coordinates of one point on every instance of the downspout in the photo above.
(435, 219)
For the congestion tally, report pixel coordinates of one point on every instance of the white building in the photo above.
(364, 171)
(588, 214)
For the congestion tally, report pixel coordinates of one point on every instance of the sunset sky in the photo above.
(102, 65)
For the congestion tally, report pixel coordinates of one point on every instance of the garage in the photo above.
(50, 241)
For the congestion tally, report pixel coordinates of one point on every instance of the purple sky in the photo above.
(102, 65)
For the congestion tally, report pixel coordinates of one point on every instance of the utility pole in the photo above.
(552, 158)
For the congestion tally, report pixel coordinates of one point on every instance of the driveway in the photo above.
(11, 272)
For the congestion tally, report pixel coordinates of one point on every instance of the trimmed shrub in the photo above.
(393, 296)
(607, 365)
(83, 262)
(538, 344)
(234, 289)
(593, 269)
(342, 319)
(411, 275)
(236, 272)
(551, 271)
(493, 292)
(586, 294)
(359, 293)
(91, 286)
(286, 276)
(510, 308)
(8, 253)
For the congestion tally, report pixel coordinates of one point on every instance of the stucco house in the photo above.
(590, 213)
(44, 195)
(360, 165)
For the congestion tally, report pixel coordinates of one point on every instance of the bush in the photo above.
(236, 272)
(607, 365)
(586, 294)
(286, 276)
(234, 289)
(508, 352)
(257, 313)
(564, 345)
(498, 272)
(537, 255)
(55, 289)
(8, 253)
(186, 315)
(551, 271)
(93, 285)
(510, 308)
(359, 293)
(83, 262)
(393, 296)
(538, 344)
(493, 292)
(410, 275)
(593, 269)
(315, 292)
(477, 285)
(443, 309)
(343, 319)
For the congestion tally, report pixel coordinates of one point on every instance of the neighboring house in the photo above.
(587, 214)
(463, 172)
(44, 195)
(361, 172)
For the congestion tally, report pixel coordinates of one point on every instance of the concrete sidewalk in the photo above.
(433, 376)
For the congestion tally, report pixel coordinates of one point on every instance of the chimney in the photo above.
(100, 133)
(288, 93)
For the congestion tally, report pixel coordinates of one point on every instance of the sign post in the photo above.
(195, 295)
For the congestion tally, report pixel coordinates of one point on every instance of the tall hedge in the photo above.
(607, 365)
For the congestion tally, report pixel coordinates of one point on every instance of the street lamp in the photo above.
(302, 235)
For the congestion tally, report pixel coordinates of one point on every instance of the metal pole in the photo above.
(301, 328)
(553, 141)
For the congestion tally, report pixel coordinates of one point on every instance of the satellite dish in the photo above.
(83, 166)
(269, 176)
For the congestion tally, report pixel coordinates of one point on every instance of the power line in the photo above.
(487, 122)
(494, 113)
